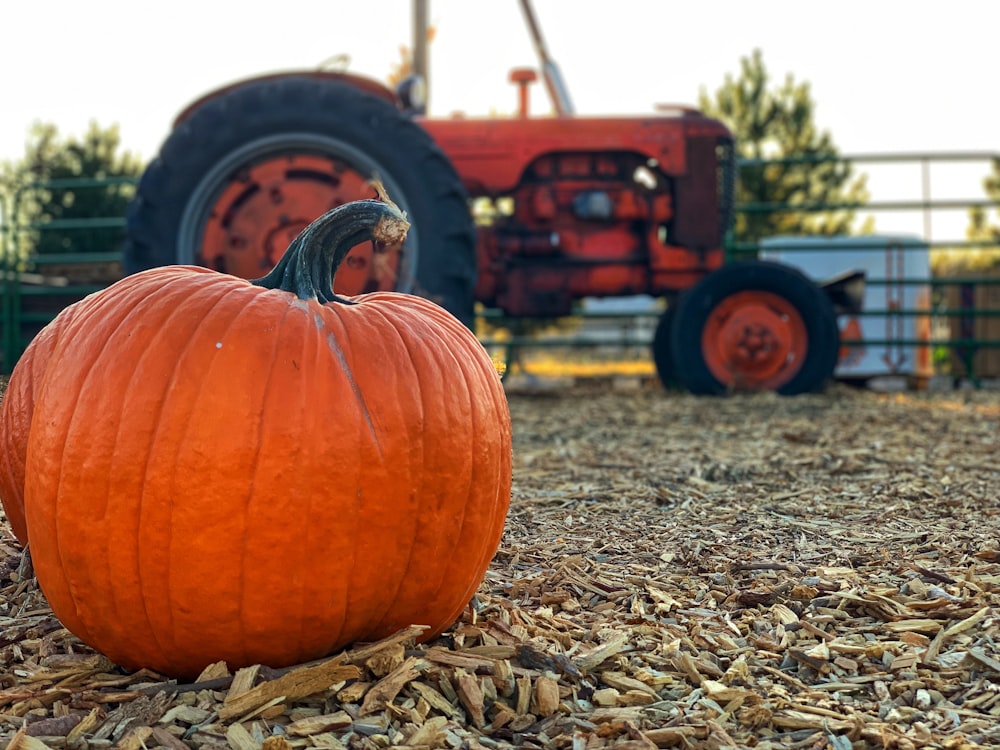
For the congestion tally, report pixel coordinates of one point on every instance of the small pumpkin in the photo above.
(263, 472)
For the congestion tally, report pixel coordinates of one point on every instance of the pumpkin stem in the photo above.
(309, 264)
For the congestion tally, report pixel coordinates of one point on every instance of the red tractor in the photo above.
(580, 207)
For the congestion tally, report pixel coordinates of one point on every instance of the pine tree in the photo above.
(49, 184)
(777, 122)
(980, 229)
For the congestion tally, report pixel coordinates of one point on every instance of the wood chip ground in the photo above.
(754, 571)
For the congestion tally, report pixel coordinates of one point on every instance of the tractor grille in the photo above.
(725, 171)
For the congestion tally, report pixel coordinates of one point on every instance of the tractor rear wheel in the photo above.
(241, 176)
(754, 326)
(662, 349)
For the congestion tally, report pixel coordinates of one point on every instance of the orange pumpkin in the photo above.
(15, 419)
(262, 472)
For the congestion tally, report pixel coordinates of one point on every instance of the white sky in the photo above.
(887, 75)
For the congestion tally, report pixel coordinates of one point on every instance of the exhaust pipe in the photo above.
(550, 71)
(420, 24)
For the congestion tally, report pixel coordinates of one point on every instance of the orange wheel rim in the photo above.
(754, 340)
(266, 205)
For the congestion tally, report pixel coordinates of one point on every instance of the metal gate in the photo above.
(964, 306)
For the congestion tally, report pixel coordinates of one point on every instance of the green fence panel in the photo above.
(34, 287)
(957, 300)
(965, 303)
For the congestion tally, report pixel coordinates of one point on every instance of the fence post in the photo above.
(15, 345)
(7, 269)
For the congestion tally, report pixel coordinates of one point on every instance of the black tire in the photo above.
(267, 118)
(808, 374)
(662, 348)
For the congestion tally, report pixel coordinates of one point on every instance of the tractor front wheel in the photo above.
(754, 326)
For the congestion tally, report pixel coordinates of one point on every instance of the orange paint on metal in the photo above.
(266, 206)
(642, 193)
(754, 340)
(851, 354)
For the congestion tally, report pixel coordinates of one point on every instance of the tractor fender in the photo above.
(368, 85)
(846, 291)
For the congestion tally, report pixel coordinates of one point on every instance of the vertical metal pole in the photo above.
(13, 344)
(6, 321)
(420, 25)
(925, 181)
(10, 280)
(550, 70)
(3, 284)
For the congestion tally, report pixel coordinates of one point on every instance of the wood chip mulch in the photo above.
(754, 571)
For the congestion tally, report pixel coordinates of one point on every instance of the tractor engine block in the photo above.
(580, 225)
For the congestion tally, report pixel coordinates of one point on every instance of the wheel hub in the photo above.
(280, 237)
(265, 206)
(754, 340)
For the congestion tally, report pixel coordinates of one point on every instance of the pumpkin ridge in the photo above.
(488, 382)
(463, 347)
(314, 352)
(151, 598)
(251, 494)
(79, 384)
(491, 541)
(16, 415)
(307, 512)
(226, 296)
(145, 585)
(9, 479)
(406, 574)
(342, 358)
(473, 419)
(164, 295)
(448, 354)
(344, 354)
(14, 399)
